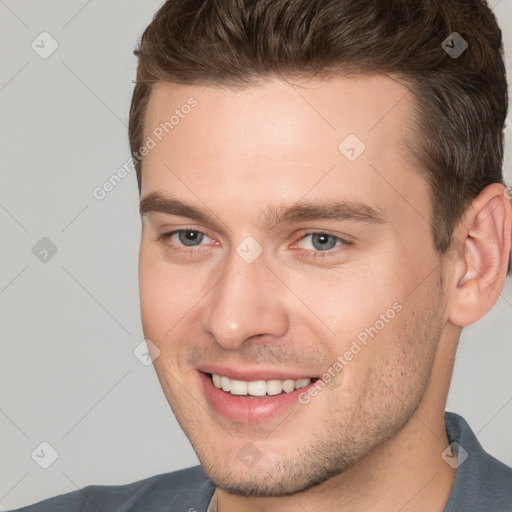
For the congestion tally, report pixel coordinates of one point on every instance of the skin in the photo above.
(372, 438)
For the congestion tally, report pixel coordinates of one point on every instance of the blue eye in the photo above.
(184, 237)
(320, 241)
(190, 237)
(315, 244)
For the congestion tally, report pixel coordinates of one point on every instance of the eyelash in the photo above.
(165, 237)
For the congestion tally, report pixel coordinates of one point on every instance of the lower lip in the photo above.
(250, 410)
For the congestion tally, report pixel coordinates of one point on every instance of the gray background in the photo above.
(69, 326)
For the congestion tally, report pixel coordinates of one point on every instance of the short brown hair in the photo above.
(461, 102)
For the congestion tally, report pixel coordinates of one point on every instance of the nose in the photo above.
(247, 301)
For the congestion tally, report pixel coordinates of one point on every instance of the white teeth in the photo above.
(237, 387)
(302, 383)
(288, 385)
(274, 387)
(224, 383)
(258, 387)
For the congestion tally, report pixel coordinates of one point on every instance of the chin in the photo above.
(268, 477)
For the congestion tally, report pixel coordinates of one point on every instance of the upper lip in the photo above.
(254, 374)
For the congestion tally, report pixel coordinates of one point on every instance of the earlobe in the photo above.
(481, 267)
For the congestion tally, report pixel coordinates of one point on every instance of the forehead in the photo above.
(341, 104)
(341, 136)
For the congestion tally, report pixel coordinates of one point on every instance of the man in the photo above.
(323, 212)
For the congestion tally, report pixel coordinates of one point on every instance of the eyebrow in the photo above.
(334, 210)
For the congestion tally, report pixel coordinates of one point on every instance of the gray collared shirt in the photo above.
(482, 484)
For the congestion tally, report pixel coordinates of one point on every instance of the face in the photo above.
(291, 266)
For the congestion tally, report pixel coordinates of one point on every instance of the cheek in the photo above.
(404, 354)
(172, 299)
(368, 320)
(349, 303)
(167, 293)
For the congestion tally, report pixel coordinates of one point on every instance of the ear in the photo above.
(481, 243)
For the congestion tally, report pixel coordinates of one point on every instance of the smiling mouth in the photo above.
(258, 388)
